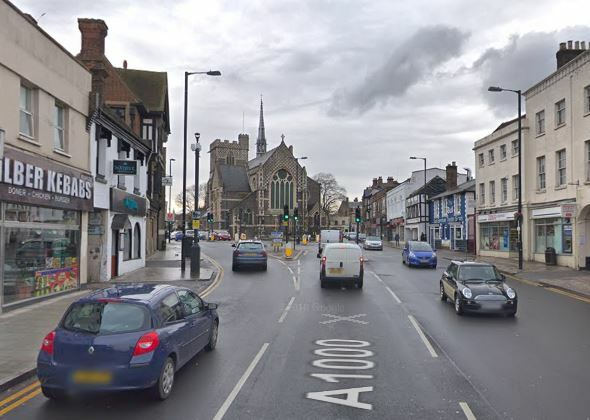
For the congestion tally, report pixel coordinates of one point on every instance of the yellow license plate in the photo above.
(91, 377)
(335, 270)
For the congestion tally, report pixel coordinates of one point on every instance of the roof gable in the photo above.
(234, 178)
(150, 86)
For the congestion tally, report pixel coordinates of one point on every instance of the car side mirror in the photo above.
(502, 276)
(233, 245)
(211, 306)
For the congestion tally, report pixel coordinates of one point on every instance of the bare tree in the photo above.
(331, 193)
(190, 200)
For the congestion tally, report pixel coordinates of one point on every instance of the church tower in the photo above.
(261, 140)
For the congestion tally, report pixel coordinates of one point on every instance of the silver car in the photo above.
(373, 242)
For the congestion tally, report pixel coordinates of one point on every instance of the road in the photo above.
(290, 350)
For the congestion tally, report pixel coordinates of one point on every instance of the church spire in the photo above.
(261, 140)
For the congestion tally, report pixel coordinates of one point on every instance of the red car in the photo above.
(222, 235)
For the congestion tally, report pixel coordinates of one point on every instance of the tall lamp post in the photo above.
(425, 221)
(184, 242)
(519, 211)
(170, 199)
(196, 249)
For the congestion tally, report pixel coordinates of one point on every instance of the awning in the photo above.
(121, 221)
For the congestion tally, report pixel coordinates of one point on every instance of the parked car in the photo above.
(203, 235)
(479, 287)
(419, 254)
(373, 242)
(249, 254)
(126, 337)
(362, 237)
(221, 235)
(341, 262)
(177, 235)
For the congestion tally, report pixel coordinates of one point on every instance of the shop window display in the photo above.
(553, 233)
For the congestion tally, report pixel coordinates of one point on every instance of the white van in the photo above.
(341, 262)
(328, 236)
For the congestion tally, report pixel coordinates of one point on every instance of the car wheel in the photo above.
(403, 259)
(322, 283)
(163, 387)
(458, 305)
(511, 314)
(264, 267)
(443, 295)
(359, 284)
(213, 336)
(53, 394)
(234, 267)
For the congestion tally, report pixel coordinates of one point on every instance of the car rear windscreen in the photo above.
(106, 318)
(250, 247)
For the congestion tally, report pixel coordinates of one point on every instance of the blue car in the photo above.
(126, 337)
(419, 254)
(249, 254)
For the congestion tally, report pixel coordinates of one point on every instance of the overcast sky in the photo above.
(356, 85)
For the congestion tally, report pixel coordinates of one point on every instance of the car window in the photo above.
(452, 270)
(106, 318)
(478, 273)
(250, 246)
(191, 303)
(170, 308)
(421, 246)
(373, 238)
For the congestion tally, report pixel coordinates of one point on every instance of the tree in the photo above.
(331, 193)
(190, 198)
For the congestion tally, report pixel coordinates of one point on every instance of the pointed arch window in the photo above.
(281, 190)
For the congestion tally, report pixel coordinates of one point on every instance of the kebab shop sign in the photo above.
(39, 181)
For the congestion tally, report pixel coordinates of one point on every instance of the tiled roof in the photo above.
(260, 160)
(466, 186)
(234, 178)
(150, 86)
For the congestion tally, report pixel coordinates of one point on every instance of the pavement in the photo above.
(559, 278)
(22, 330)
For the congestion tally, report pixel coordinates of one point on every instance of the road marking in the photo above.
(467, 411)
(20, 402)
(338, 318)
(391, 292)
(234, 393)
(217, 280)
(422, 336)
(282, 318)
(19, 393)
(568, 294)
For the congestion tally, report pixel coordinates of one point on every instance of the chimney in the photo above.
(568, 51)
(374, 182)
(94, 32)
(125, 64)
(380, 180)
(451, 176)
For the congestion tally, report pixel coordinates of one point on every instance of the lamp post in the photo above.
(425, 221)
(170, 200)
(519, 211)
(186, 75)
(196, 249)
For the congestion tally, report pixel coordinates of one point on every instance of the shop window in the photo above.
(553, 233)
(495, 237)
(137, 242)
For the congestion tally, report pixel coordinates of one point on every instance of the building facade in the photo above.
(46, 187)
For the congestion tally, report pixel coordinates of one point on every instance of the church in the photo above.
(248, 195)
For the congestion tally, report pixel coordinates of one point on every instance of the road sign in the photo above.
(169, 217)
(196, 224)
(166, 181)
(196, 214)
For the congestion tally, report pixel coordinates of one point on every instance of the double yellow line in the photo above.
(19, 398)
(551, 289)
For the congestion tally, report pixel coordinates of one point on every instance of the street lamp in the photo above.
(170, 199)
(196, 249)
(186, 75)
(519, 211)
(425, 229)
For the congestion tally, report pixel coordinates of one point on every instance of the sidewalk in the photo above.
(22, 330)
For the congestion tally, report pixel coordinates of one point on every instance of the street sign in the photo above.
(196, 224)
(169, 217)
(166, 181)
(568, 210)
(124, 167)
(196, 214)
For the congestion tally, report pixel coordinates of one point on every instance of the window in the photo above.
(503, 152)
(445, 209)
(540, 122)
(497, 237)
(588, 160)
(191, 303)
(58, 127)
(587, 100)
(26, 111)
(492, 192)
(504, 190)
(457, 206)
(230, 159)
(560, 113)
(128, 245)
(561, 166)
(515, 147)
(137, 241)
(482, 194)
(491, 157)
(553, 233)
(170, 309)
(541, 173)
(481, 160)
(515, 187)
(281, 192)
(147, 129)
(458, 232)
(119, 111)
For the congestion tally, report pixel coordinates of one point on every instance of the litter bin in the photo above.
(550, 256)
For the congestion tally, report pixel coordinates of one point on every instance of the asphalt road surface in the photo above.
(290, 350)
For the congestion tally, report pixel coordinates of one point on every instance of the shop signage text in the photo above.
(39, 181)
(124, 167)
(123, 202)
(495, 217)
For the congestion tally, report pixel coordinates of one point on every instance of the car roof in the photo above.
(136, 292)
(480, 263)
(249, 241)
(341, 245)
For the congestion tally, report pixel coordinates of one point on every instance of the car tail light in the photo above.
(47, 345)
(236, 252)
(264, 253)
(147, 343)
(362, 260)
(324, 261)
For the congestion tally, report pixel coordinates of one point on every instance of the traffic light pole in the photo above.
(357, 232)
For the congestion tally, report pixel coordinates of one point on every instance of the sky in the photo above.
(357, 86)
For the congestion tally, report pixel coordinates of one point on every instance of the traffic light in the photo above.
(209, 217)
(286, 213)
(357, 215)
(295, 214)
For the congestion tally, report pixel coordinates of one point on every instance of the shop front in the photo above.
(498, 235)
(552, 227)
(43, 210)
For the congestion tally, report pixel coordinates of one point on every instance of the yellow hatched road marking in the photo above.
(19, 393)
(20, 402)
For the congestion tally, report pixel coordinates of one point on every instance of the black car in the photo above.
(477, 287)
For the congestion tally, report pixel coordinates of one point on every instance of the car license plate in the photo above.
(92, 377)
(250, 254)
(335, 270)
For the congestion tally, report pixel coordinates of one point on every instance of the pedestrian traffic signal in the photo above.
(357, 215)
(295, 214)
(286, 213)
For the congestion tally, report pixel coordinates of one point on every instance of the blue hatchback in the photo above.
(126, 337)
(419, 254)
